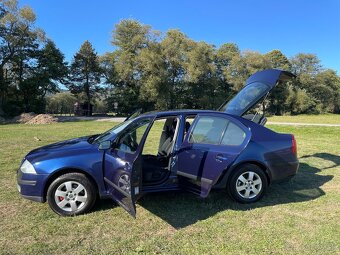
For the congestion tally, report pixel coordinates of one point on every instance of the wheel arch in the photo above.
(67, 170)
(223, 180)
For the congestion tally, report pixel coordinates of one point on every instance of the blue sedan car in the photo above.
(193, 150)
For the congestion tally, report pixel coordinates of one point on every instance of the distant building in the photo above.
(81, 109)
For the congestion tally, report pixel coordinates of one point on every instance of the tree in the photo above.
(175, 47)
(153, 86)
(299, 102)
(278, 97)
(225, 57)
(153, 72)
(85, 73)
(305, 63)
(61, 103)
(327, 90)
(307, 67)
(130, 37)
(19, 40)
(201, 75)
(278, 60)
(42, 73)
(51, 69)
(163, 68)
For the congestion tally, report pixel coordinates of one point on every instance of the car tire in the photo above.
(71, 194)
(247, 184)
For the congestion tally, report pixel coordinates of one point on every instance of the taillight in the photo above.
(294, 148)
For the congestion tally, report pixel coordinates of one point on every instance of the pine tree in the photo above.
(85, 73)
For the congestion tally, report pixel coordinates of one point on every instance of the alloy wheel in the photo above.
(70, 196)
(249, 185)
(124, 183)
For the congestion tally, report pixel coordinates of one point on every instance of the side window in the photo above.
(131, 137)
(233, 135)
(208, 130)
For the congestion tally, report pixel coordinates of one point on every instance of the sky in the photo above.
(292, 26)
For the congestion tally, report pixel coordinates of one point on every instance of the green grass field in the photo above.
(301, 216)
(304, 118)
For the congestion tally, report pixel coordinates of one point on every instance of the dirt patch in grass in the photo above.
(23, 118)
(32, 118)
(42, 119)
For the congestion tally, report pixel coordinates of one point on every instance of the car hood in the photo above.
(78, 144)
(257, 87)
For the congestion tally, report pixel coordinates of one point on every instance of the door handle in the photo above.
(220, 158)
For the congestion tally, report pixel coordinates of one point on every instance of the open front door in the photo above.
(123, 165)
(213, 142)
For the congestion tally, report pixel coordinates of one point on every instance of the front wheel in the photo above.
(71, 194)
(247, 184)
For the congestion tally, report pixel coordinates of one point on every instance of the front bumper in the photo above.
(31, 186)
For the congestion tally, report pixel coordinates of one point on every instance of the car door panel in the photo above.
(200, 165)
(122, 173)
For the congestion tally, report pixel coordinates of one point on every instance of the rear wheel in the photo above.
(247, 184)
(71, 194)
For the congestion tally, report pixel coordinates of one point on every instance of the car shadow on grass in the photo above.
(181, 209)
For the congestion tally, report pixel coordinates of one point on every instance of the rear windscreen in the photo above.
(246, 98)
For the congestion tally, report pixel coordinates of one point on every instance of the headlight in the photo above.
(27, 168)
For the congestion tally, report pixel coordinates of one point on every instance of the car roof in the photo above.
(245, 122)
(178, 112)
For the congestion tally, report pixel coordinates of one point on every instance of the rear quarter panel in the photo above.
(273, 149)
(268, 149)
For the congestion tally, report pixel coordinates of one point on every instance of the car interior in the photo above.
(257, 113)
(156, 161)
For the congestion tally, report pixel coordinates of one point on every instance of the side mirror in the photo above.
(105, 145)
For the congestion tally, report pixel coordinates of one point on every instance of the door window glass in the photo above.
(208, 130)
(132, 136)
(233, 135)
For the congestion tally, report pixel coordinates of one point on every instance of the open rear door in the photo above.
(123, 165)
(257, 87)
(213, 142)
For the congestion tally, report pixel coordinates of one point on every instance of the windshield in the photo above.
(113, 131)
(246, 98)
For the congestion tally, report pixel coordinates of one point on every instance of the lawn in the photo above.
(304, 118)
(301, 216)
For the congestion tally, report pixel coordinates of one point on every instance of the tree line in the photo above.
(146, 69)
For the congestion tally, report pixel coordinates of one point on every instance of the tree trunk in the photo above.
(88, 97)
(3, 88)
